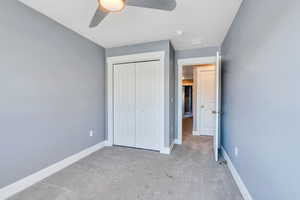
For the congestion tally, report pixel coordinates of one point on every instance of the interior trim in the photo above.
(168, 150)
(181, 63)
(242, 187)
(110, 62)
(32, 179)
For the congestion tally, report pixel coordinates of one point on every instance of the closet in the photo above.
(138, 97)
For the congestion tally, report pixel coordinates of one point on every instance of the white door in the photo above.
(218, 107)
(149, 105)
(138, 105)
(206, 97)
(124, 104)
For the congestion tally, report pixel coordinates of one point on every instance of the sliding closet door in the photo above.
(124, 104)
(149, 105)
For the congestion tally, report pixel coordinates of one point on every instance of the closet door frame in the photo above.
(110, 62)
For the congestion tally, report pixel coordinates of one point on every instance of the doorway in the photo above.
(187, 103)
(198, 91)
(187, 91)
(206, 93)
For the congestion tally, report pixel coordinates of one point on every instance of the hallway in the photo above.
(200, 143)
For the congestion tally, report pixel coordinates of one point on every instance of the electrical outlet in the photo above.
(91, 133)
(236, 151)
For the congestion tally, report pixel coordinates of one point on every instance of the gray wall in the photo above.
(261, 97)
(199, 52)
(163, 45)
(52, 92)
(172, 93)
(184, 54)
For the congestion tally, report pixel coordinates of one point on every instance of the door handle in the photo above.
(215, 112)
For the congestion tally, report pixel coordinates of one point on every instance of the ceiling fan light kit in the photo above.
(107, 6)
(111, 5)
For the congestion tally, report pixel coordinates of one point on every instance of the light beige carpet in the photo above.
(117, 173)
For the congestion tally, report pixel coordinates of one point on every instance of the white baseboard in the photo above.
(242, 187)
(177, 141)
(107, 143)
(203, 133)
(167, 150)
(30, 180)
(196, 133)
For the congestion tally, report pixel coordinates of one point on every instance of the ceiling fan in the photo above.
(107, 6)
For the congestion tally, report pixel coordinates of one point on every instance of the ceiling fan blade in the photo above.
(155, 4)
(98, 17)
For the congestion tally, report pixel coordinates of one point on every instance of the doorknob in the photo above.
(215, 112)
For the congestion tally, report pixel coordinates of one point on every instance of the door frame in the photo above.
(181, 63)
(129, 58)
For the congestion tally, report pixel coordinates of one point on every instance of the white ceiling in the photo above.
(204, 23)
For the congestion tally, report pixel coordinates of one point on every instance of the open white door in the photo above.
(218, 107)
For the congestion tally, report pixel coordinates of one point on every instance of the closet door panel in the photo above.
(149, 105)
(124, 104)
